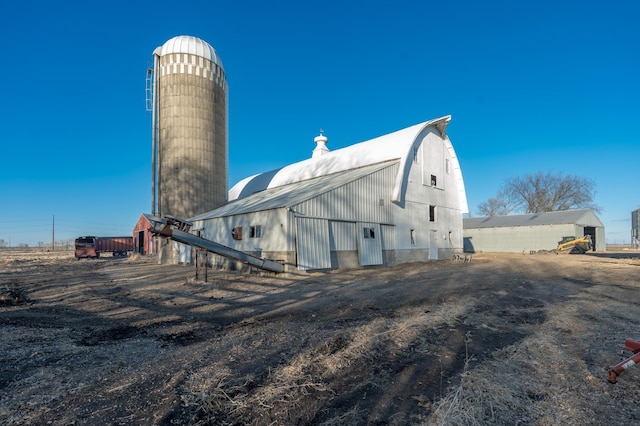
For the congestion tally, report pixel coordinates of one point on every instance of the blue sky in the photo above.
(531, 86)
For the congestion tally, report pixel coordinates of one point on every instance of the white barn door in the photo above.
(369, 243)
(433, 245)
(312, 243)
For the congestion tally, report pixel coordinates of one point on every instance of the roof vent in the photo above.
(321, 145)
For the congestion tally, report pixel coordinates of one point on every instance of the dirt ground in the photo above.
(505, 339)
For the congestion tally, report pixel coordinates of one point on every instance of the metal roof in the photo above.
(533, 219)
(291, 194)
(192, 45)
(393, 146)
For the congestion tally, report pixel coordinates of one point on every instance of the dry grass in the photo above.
(297, 391)
(518, 340)
(554, 376)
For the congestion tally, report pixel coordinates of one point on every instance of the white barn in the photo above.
(531, 232)
(393, 199)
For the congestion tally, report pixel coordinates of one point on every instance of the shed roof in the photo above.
(577, 216)
(291, 194)
(393, 146)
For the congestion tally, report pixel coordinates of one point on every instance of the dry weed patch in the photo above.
(505, 339)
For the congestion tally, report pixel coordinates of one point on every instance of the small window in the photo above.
(255, 231)
(432, 213)
(413, 237)
(369, 232)
(236, 233)
(434, 181)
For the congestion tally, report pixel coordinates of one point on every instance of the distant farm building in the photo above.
(635, 228)
(393, 199)
(531, 232)
(143, 240)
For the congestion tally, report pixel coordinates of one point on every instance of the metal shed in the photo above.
(531, 232)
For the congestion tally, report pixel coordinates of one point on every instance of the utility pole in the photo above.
(53, 232)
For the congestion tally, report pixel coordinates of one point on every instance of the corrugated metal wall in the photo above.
(388, 234)
(366, 199)
(519, 238)
(312, 241)
(342, 236)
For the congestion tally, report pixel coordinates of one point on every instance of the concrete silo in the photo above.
(190, 128)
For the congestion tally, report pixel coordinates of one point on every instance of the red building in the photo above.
(144, 242)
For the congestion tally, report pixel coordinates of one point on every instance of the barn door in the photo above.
(433, 245)
(369, 244)
(312, 243)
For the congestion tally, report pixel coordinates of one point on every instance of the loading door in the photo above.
(591, 230)
(312, 243)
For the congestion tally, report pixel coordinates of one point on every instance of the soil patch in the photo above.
(505, 339)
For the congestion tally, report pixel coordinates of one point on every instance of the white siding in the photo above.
(342, 236)
(433, 161)
(274, 224)
(388, 237)
(312, 242)
(365, 199)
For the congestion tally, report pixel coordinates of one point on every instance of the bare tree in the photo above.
(494, 206)
(544, 192)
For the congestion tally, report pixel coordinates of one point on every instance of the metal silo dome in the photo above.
(190, 125)
(191, 45)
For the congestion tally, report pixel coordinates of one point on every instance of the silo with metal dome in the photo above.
(189, 128)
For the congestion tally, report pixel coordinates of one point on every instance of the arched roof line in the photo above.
(439, 125)
(393, 146)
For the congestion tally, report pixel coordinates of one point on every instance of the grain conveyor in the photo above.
(178, 230)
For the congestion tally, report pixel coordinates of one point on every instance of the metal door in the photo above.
(312, 243)
(369, 243)
(433, 245)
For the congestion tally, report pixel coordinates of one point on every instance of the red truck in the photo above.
(94, 246)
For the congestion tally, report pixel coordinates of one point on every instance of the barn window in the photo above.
(434, 181)
(236, 233)
(432, 213)
(368, 232)
(255, 231)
